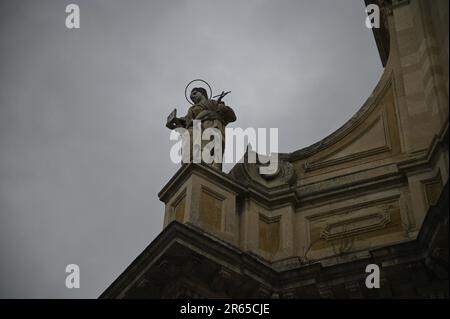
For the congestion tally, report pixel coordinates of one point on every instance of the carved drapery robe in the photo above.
(212, 114)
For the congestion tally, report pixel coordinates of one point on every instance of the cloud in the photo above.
(83, 146)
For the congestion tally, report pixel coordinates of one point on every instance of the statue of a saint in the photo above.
(212, 114)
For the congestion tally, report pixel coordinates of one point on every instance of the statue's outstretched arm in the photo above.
(226, 112)
(174, 122)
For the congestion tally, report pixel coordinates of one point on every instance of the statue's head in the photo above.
(198, 95)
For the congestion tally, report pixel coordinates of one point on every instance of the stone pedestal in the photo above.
(229, 209)
(204, 197)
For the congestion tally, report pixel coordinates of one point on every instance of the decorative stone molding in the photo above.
(355, 225)
(254, 277)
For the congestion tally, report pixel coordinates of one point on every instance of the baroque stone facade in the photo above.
(373, 192)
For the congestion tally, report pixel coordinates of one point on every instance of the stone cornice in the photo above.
(187, 170)
(386, 174)
(268, 197)
(383, 85)
(425, 158)
(276, 277)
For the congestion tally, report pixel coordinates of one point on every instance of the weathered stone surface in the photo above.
(186, 262)
(374, 191)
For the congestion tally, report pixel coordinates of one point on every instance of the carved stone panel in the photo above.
(179, 209)
(433, 189)
(269, 234)
(210, 213)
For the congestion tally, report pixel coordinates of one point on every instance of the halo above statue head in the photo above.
(196, 80)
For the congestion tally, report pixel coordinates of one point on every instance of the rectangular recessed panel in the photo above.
(179, 210)
(269, 235)
(210, 209)
(433, 190)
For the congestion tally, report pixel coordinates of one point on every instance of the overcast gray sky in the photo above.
(83, 146)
